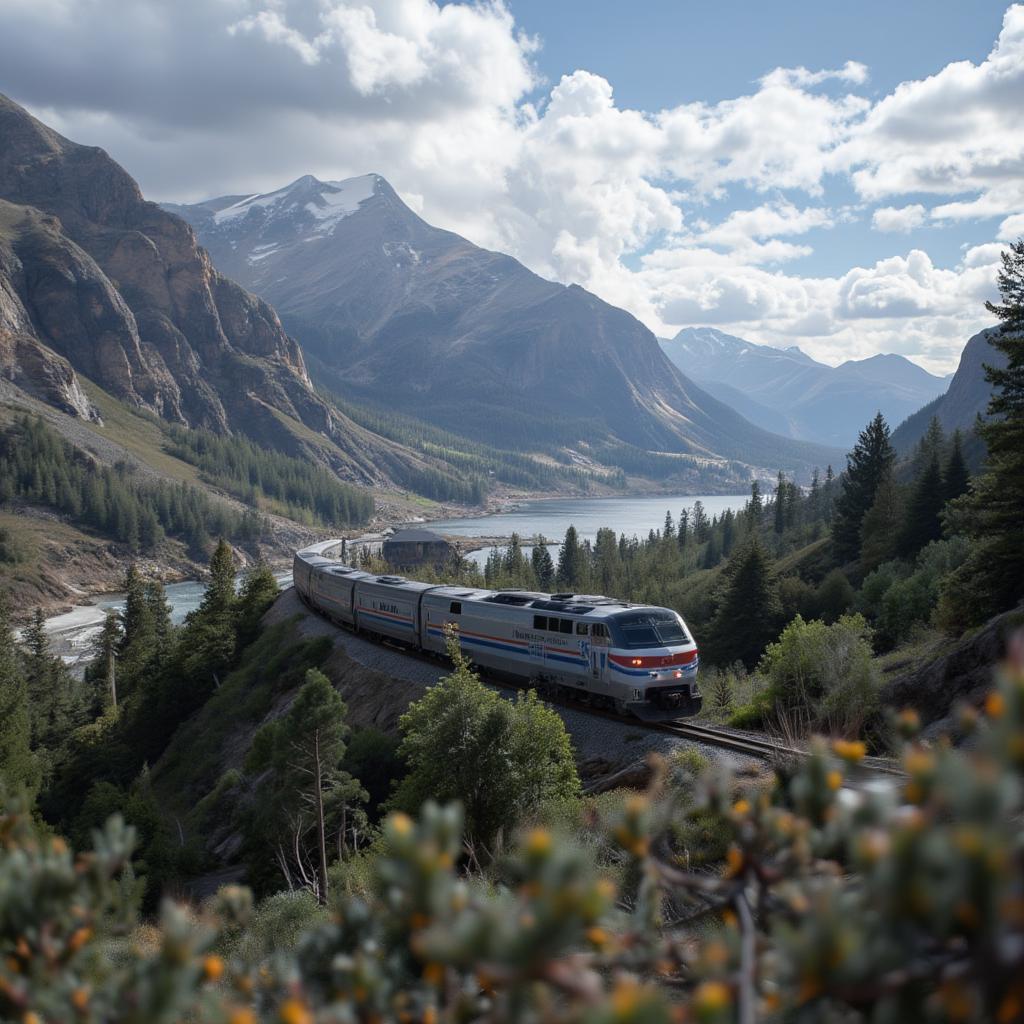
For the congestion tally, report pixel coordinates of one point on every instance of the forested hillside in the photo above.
(714, 893)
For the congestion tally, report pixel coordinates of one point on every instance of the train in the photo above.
(636, 660)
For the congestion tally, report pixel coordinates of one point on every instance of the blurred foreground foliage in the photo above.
(882, 904)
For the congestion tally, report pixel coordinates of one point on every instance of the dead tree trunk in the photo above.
(321, 831)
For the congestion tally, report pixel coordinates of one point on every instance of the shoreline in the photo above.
(80, 616)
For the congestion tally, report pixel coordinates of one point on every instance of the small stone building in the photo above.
(408, 549)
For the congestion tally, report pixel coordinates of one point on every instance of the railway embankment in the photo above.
(378, 683)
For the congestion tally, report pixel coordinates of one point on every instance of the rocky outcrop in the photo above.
(94, 279)
(965, 672)
(37, 371)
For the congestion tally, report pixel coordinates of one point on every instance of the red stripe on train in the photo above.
(654, 660)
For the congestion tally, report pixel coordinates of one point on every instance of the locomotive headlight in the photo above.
(679, 675)
(638, 661)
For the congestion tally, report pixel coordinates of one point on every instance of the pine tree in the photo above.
(570, 560)
(700, 522)
(136, 619)
(728, 532)
(160, 613)
(955, 476)
(683, 531)
(931, 446)
(543, 565)
(258, 592)
(106, 661)
(780, 505)
(138, 631)
(867, 465)
(19, 767)
(880, 526)
(814, 496)
(755, 507)
(828, 495)
(607, 563)
(921, 522)
(670, 530)
(39, 675)
(307, 746)
(746, 618)
(220, 591)
(992, 579)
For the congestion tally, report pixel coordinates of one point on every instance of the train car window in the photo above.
(582, 629)
(565, 626)
(540, 622)
(598, 629)
(456, 608)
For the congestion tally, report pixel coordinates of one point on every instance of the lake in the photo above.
(553, 516)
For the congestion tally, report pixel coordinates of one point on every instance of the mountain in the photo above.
(785, 390)
(402, 315)
(966, 399)
(96, 282)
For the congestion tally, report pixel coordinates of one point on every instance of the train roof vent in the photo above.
(510, 597)
(391, 579)
(562, 597)
(596, 599)
(340, 570)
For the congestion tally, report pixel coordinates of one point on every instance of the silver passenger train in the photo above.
(634, 659)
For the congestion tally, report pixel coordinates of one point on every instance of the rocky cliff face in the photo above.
(94, 279)
(967, 398)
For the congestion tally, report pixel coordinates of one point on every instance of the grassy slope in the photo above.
(141, 435)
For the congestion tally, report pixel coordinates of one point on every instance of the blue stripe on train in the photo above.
(498, 645)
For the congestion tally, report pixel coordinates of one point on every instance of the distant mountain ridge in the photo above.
(400, 314)
(787, 391)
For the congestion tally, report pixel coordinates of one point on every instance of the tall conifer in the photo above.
(867, 465)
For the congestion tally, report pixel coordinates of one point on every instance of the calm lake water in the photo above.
(553, 516)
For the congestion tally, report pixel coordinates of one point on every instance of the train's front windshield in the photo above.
(650, 629)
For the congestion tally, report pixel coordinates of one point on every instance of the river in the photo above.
(74, 633)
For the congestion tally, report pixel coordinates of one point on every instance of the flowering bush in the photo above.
(903, 903)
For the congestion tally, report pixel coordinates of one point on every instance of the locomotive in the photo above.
(634, 659)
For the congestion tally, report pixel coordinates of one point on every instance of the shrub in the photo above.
(834, 597)
(911, 600)
(499, 758)
(823, 676)
(901, 904)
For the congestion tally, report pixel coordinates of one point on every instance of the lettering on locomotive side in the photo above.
(383, 606)
(528, 635)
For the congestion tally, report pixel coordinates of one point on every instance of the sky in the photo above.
(834, 176)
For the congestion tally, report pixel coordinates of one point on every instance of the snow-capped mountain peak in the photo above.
(324, 202)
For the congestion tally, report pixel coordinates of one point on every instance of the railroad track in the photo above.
(754, 746)
(711, 736)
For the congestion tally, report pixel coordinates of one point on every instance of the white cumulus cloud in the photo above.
(898, 218)
(651, 209)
